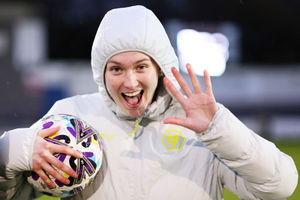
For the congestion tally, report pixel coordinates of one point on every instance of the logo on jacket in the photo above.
(173, 140)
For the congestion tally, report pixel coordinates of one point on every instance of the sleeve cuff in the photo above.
(20, 149)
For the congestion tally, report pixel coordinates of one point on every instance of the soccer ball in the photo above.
(75, 133)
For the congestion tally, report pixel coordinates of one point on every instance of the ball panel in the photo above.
(77, 134)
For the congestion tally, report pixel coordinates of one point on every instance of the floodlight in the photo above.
(202, 50)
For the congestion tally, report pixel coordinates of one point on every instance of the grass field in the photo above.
(290, 148)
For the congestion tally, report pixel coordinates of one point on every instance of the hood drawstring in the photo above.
(135, 128)
(137, 123)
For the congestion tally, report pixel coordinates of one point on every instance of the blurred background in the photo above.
(45, 48)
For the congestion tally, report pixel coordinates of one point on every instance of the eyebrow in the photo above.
(138, 61)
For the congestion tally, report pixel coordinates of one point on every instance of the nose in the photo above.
(130, 80)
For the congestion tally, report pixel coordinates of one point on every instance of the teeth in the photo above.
(132, 94)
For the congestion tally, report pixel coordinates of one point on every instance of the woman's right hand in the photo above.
(44, 160)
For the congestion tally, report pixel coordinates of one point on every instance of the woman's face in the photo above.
(131, 79)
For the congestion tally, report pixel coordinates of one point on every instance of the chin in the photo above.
(135, 112)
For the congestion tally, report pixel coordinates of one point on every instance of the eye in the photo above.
(115, 69)
(141, 67)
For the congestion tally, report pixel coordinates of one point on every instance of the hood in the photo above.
(134, 28)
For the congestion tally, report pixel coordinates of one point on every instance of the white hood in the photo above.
(133, 28)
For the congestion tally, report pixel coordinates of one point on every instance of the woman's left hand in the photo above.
(199, 106)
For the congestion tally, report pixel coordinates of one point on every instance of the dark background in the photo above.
(270, 28)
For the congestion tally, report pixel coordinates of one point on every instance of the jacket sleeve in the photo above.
(259, 169)
(16, 148)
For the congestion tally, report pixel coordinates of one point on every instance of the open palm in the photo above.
(199, 106)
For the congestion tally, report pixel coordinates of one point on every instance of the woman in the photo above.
(159, 143)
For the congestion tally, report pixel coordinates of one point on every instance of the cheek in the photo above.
(151, 82)
(111, 85)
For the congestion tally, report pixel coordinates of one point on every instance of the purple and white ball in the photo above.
(77, 134)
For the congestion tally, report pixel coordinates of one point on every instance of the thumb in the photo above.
(176, 121)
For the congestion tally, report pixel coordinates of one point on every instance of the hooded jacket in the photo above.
(145, 158)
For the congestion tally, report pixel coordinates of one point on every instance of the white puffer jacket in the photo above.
(144, 158)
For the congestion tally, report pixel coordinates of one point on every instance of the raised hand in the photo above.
(199, 106)
(44, 160)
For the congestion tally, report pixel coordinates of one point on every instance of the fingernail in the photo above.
(67, 182)
(75, 175)
(53, 185)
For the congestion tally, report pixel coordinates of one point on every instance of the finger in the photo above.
(208, 86)
(60, 165)
(45, 178)
(48, 132)
(194, 79)
(53, 172)
(183, 84)
(55, 148)
(180, 98)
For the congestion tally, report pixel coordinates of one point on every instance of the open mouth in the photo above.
(133, 99)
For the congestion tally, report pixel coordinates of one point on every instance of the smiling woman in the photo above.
(131, 80)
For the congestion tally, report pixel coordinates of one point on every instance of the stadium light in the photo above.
(202, 50)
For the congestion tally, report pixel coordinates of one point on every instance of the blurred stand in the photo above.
(30, 82)
(17, 105)
(267, 100)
